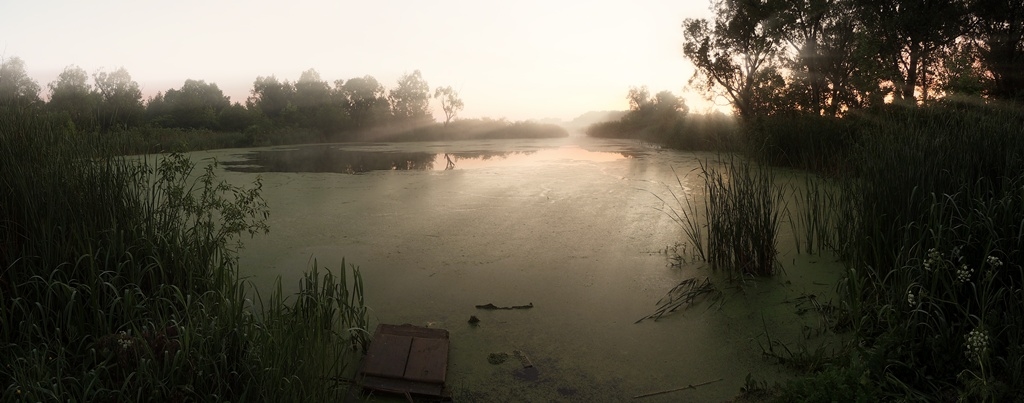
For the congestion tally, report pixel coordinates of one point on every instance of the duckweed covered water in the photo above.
(569, 225)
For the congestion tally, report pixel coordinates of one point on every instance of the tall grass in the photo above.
(932, 229)
(119, 282)
(738, 230)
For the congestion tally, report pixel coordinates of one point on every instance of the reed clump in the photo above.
(737, 231)
(119, 282)
(929, 217)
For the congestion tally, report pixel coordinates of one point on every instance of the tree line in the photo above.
(826, 57)
(113, 100)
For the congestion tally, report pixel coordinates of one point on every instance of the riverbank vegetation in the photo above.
(909, 118)
(119, 282)
(199, 116)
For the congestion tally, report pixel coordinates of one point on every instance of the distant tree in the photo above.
(451, 104)
(73, 96)
(311, 93)
(234, 118)
(196, 105)
(638, 97)
(272, 98)
(737, 55)
(121, 104)
(365, 101)
(16, 87)
(660, 111)
(410, 100)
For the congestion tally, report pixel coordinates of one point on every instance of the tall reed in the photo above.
(119, 282)
(932, 230)
(743, 208)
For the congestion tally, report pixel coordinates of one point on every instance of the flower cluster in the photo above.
(124, 340)
(993, 261)
(963, 274)
(911, 299)
(977, 344)
(934, 259)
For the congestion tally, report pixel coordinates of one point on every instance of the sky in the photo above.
(518, 60)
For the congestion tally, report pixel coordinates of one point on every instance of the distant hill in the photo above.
(582, 121)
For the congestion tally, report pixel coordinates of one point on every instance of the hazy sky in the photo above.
(514, 59)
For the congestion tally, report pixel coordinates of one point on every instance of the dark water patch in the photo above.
(321, 158)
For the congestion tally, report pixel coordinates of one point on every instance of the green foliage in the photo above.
(72, 96)
(931, 203)
(120, 283)
(663, 119)
(120, 105)
(17, 89)
(736, 55)
(196, 105)
(410, 100)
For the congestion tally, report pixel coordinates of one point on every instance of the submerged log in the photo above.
(492, 307)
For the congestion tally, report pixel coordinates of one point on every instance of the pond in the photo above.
(571, 226)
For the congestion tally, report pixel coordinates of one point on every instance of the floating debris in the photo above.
(523, 359)
(497, 358)
(492, 307)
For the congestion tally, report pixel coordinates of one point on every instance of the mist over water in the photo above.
(570, 225)
(356, 159)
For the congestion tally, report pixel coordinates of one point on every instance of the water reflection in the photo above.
(328, 158)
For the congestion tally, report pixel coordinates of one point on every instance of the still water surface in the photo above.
(570, 225)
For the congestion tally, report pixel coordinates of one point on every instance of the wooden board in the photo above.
(428, 360)
(406, 359)
(388, 355)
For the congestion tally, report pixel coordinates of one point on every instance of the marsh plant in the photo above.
(929, 222)
(738, 230)
(119, 282)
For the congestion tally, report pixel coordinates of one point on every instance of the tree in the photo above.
(271, 97)
(660, 111)
(196, 105)
(451, 104)
(311, 93)
(825, 56)
(121, 103)
(16, 87)
(737, 56)
(410, 100)
(638, 97)
(234, 118)
(72, 95)
(365, 101)
(999, 29)
(910, 35)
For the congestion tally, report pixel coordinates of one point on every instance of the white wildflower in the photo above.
(125, 342)
(911, 299)
(963, 274)
(976, 344)
(933, 260)
(993, 261)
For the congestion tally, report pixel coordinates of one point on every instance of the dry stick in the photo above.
(678, 389)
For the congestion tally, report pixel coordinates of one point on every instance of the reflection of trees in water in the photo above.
(330, 159)
(486, 155)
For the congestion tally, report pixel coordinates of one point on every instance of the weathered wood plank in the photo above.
(428, 360)
(388, 355)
